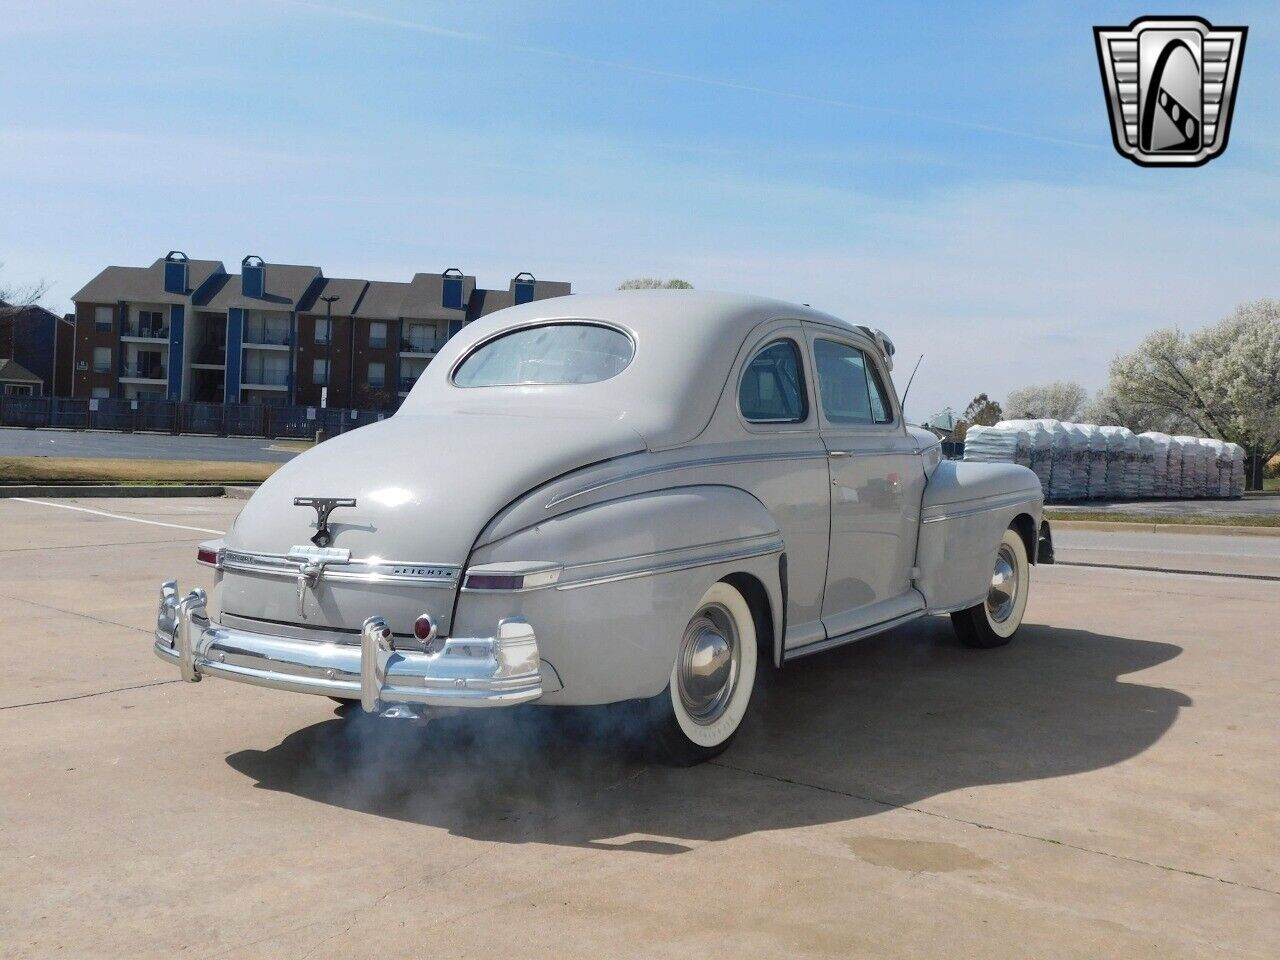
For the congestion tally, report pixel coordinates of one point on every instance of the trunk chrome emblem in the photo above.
(323, 506)
(311, 566)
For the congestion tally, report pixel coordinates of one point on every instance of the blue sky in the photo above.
(941, 170)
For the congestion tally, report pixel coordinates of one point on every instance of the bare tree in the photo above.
(653, 283)
(1060, 400)
(1224, 379)
(982, 411)
(14, 300)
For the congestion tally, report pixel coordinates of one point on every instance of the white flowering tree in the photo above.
(1060, 400)
(653, 283)
(1224, 379)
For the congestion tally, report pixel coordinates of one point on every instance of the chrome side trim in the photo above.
(981, 506)
(860, 634)
(684, 558)
(370, 570)
(686, 465)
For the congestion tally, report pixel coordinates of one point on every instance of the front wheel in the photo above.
(993, 622)
(714, 674)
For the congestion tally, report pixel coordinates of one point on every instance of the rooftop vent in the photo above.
(451, 295)
(253, 276)
(175, 272)
(524, 285)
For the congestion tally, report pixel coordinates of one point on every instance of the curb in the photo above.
(68, 491)
(1200, 529)
(239, 492)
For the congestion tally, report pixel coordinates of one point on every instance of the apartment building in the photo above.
(187, 329)
(39, 343)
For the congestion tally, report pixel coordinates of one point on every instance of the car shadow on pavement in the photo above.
(879, 724)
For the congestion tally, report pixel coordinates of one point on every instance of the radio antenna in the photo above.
(903, 402)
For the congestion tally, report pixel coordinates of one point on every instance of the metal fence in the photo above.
(172, 416)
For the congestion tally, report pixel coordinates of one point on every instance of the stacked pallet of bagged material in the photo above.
(1039, 448)
(1219, 484)
(1207, 479)
(1236, 452)
(1173, 480)
(1096, 444)
(1159, 462)
(1062, 481)
(1079, 462)
(996, 445)
(1192, 469)
(1117, 461)
(1144, 477)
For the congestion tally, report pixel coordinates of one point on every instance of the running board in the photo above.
(863, 633)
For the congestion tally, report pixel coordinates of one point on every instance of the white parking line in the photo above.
(114, 516)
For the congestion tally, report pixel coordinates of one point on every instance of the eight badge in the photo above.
(1170, 84)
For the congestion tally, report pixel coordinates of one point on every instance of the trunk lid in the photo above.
(424, 487)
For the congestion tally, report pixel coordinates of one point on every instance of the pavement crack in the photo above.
(75, 613)
(86, 696)
(891, 805)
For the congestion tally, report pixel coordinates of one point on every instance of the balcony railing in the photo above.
(146, 370)
(420, 344)
(266, 378)
(266, 338)
(211, 353)
(150, 331)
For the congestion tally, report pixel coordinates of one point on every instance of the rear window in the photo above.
(548, 354)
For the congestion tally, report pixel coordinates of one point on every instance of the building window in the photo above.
(102, 317)
(101, 359)
(18, 389)
(101, 393)
(377, 378)
(378, 335)
(322, 330)
(320, 372)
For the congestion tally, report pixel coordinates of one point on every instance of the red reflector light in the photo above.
(423, 628)
(493, 581)
(206, 556)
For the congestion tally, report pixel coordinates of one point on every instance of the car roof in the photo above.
(686, 343)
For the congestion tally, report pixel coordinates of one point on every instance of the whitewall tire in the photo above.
(712, 679)
(993, 622)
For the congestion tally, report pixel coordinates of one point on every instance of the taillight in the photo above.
(424, 629)
(207, 555)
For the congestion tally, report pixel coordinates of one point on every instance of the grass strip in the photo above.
(126, 471)
(1198, 520)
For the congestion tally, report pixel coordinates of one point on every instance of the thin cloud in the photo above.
(795, 96)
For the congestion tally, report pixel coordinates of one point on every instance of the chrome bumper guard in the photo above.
(465, 671)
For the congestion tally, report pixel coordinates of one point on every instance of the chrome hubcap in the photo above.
(1004, 585)
(708, 664)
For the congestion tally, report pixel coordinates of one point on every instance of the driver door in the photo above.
(877, 480)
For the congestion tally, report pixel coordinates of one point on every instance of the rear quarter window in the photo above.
(553, 353)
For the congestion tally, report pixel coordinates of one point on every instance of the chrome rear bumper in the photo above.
(465, 672)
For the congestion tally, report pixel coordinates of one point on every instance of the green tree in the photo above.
(1060, 400)
(1224, 380)
(653, 283)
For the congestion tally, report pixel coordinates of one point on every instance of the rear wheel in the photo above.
(993, 622)
(696, 716)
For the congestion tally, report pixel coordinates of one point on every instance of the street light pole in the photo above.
(328, 349)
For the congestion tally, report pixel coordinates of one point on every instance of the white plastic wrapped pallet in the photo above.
(1218, 473)
(1097, 461)
(1145, 475)
(1173, 482)
(1159, 462)
(1079, 460)
(1191, 466)
(1062, 481)
(994, 445)
(1236, 452)
(1039, 449)
(1117, 460)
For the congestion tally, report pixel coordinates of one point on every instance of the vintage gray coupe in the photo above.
(645, 497)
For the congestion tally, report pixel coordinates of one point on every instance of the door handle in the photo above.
(836, 454)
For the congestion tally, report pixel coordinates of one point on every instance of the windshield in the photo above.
(552, 353)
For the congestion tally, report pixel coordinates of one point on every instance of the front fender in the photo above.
(632, 573)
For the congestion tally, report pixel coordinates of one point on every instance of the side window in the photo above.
(849, 385)
(772, 388)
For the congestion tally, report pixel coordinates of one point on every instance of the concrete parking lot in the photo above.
(1106, 786)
